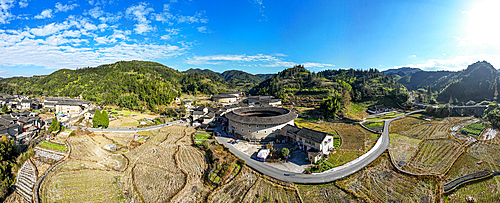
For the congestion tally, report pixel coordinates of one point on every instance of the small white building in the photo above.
(315, 143)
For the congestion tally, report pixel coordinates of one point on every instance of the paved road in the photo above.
(318, 178)
(128, 130)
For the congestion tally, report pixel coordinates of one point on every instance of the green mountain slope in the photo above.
(234, 78)
(298, 83)
(131, 84)
(477, 82)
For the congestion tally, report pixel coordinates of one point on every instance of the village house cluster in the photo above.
(21, 122)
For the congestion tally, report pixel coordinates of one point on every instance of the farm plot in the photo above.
(404, 124)
(402, 148)
(463, 139)
(465, 165)
(474, 129)
(342, 156)
(235, 190)
(483, 191)
(100, 139)
(380, 182)
(419, 132)
(191, 160)
(324, 193)
(193, 191)
(377, 126)
(434, 157)
(53, 146)
(83, 186)
(156, 184)
(489, 134)
(487, 152)
(150, 154)
(84, 148)
(265, 191)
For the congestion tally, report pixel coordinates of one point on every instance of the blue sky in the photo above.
(257, 36)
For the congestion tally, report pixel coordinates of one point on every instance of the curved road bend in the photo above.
(318, 178)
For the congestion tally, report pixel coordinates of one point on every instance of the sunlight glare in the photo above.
(483, 27)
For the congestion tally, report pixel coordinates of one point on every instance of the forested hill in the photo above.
(131, 84)
(477, 82)
(233, 78)
(297, 84)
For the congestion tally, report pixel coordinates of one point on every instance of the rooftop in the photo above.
(262, 115)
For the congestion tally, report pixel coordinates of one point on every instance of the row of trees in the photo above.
(100, 119)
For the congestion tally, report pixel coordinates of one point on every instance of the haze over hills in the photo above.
(477, 82)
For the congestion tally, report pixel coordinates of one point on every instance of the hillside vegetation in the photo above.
(477, 82)
(335, 89)
(130, 84)
(233, 78)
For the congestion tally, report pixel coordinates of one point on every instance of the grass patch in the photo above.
(320, 166)
(200, 137)
(53, 146)
(337, 141)
(343, 156)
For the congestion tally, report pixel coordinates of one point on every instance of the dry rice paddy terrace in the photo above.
(251, 187)
(380, 182)
(434, 157)
(163, 169)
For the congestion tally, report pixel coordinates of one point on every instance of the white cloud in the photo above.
(5, 15)
(413, 56)
(256, 60)
(64, 8)
(203, 29)
(47, 13)
(49, 29)
(23, 3)
(96, 12)
(139, 13)
(196, 18)
(171, 32)
(111, 18)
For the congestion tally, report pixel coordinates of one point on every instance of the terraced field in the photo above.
(265, 191)
(434, 157)
(324, 193)
(402, 148)
(235, 190)
(380, 182)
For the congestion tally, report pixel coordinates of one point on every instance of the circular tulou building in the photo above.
(257, 123)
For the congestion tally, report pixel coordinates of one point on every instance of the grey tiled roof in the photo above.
(311, 134)
(285, 116)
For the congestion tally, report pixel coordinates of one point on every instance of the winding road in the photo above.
(317, 178)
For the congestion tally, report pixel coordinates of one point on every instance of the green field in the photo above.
(474, 129)
(52, 146)
(200, 137)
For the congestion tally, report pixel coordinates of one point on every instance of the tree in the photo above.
(285, 152)
(104, 119)
(96, 121)
(55, 125)
(4, 108)
(332, 106)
